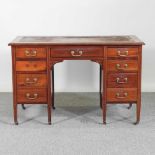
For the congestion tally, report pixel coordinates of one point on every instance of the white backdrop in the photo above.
(77, 17)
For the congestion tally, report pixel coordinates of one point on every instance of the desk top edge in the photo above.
(77, 40)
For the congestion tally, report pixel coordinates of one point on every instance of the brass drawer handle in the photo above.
(118, 66)
(30, 53)
(122, 55)
(121, 82)
(76, 55)
(29, 97)
(28, 81)
(121, 97)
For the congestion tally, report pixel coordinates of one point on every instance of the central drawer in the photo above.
(30, 65)
(32, 80)
(31, 95)
(77, 51)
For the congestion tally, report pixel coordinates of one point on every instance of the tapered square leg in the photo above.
(138, 109)
(15, 113)
(138, 105)
(49, 113)
(100, 85)
(104, 113)
(104, 85)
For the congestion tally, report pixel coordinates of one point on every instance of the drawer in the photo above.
(30, 65)
(121, 94)
(77, 51)
(122, 65)
(31, 95)
(121, 80)
(32, 80)
(30, 52)
(122, 52)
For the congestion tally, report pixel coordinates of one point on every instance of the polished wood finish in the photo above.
(119, 58)
(31, 80)
(122, 80)
(122, 52)
(77, 51)
(121, 95)
(31, 66)
(32, 95)
(122, 65)
(30, 52)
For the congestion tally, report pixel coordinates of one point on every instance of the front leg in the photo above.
(15, 105)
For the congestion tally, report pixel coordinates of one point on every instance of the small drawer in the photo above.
(122, 80)
(30, 52)
(31, 95)
(30, 65)
(77, 51)
(122, 52)
(31, 80)
(121, 94)
(122, 65)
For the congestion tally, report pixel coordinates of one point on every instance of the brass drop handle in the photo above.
(76, 55)
(30, 97)
(118, 66)
(29, 81)
(122, 55)
(118, 95)
(30, 53)
(121, 82)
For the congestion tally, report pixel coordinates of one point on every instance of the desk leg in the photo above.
(138, 105)
(49, 112)
(138, 109)
(104, 85)
(15, 105)
(104, 99)
(53, 88)
(100, 85)
(49, 104)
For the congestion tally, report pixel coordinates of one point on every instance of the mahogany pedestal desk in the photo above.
(119, 57)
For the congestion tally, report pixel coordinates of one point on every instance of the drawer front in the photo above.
(122, 65)
(30, 65)
(121, 94)
(122, 52)
(31, 95)
(121, 80)
(30, 52)
(32, 80)
(77, 51)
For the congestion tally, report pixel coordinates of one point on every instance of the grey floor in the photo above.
(77, 127)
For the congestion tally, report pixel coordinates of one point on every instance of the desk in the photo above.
(119, 57)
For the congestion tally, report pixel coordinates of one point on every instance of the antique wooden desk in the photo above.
(119, 57)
